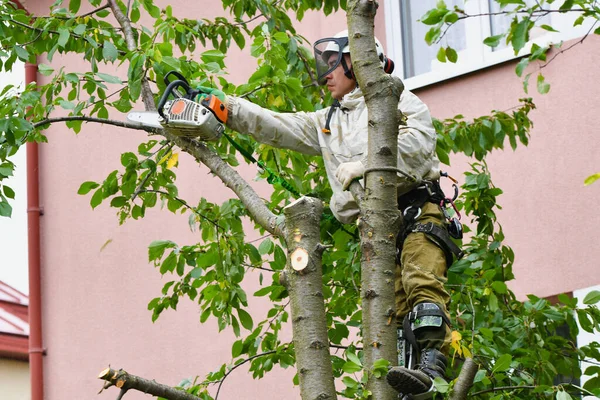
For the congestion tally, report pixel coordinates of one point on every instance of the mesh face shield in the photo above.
(328, 55)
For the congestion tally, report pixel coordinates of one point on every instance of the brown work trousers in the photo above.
(421, 277)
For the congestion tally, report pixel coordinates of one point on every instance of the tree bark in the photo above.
(380, 218)
(464, 380)
(303, 279)
(126, 381)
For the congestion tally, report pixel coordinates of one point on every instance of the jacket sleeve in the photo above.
(294, 131)
(417, 140)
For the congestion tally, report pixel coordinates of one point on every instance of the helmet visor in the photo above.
(328, 55)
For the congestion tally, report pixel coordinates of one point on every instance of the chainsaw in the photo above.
(181, 115)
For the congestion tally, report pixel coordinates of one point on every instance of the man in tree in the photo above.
(339, 134)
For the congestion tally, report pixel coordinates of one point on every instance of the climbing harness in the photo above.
(411, 203)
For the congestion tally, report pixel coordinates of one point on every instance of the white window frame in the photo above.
(476, 56)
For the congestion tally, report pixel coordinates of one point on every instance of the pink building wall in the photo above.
(549, 217)
(96, 294)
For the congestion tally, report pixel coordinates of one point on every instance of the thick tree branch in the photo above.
(464, 381)
(125, 23)
(303, 278)
(254, 204)
(84, 118)
(126, 381)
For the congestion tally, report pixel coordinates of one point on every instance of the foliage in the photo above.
(515, 342)
(525, 16)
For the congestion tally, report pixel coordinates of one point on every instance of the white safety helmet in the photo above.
(324, 48)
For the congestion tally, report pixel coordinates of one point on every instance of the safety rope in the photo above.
(272, 177)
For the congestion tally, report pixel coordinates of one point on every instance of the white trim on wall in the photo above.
(585, 338)
(476, 56)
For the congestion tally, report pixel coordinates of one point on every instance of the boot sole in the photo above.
(404, 381)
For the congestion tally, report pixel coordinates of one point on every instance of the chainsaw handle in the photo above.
(177, 75)
(170, 90)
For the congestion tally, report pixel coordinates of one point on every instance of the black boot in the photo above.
(418, 383)
(419, 357)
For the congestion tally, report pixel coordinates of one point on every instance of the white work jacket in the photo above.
(346, 142)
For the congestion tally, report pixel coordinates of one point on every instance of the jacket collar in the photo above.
(351, 100)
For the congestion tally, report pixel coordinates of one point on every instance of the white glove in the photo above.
(349, 171)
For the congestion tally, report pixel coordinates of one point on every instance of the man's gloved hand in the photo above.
(215, 100)
(205, 91)
(349, 171)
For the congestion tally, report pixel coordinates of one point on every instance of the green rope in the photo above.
(272, 177)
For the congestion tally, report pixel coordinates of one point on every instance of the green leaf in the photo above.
(354, 358)
(349, 367)
(591, 179)
(542, 86)
(441, 385)
(493, 41)
(157, 248)
(196, 273)
(521, 66)
(129, 159)
(548, 28)
(441, 55)
(63, 36)
(434, 16)
(245, 319)
(109, 78)
(520, 34)
(109, 51)
(562, 395)
(237, 348)
(8, 192)
(592, 297)
(97, 198)
(45, 69)
(22, 53)
(266, 247)
(5, 209)
(349, 382)
(502, 363)
(451, 54)
(282, 37)
(169, 264)
(499, 287)
(74, 5)
(86, 187)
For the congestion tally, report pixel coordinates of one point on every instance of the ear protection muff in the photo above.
(388, 64)
(388, 67)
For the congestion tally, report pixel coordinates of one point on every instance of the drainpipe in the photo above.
(36, 347)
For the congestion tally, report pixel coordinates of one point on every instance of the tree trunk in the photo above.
(380, 218)
(303, 279)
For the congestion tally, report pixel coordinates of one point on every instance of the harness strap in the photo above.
(441, 237)
(334, 105)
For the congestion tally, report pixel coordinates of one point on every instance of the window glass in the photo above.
(501, 23)
(417, 55)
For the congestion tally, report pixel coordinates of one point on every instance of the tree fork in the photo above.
(304, 282)
(125, 381)
(380, 219)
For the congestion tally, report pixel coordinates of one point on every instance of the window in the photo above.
(413, 33)
(417, 63)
